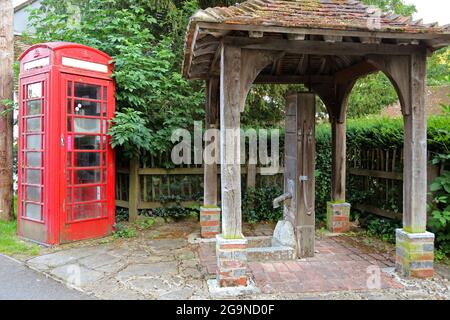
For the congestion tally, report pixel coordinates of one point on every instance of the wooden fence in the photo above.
(152, 188)
(374, 174)
(377, 174)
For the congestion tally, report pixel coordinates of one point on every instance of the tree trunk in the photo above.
(6, 121)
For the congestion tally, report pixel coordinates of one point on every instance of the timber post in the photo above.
(210, 212)
(6, 120)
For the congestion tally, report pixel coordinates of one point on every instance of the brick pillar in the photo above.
(231, 262)
(415, 254)
(209, 221)
(338, 217)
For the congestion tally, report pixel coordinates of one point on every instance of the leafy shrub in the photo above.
(440, 211)
(440, 206)
(129, 131)
(172, 208)
(122, 214)
(383, 228)
(257, 204)
(124, 231)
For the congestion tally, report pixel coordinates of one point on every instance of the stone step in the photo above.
(270, 254)
(259, 241)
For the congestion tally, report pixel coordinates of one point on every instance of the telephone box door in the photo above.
(87, 157)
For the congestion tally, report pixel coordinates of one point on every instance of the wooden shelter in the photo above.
(327, 45)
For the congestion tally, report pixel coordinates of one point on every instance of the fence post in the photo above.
(251, 176)
(133, 191)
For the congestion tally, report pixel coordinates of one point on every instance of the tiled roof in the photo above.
(345, 21)
(323, 14)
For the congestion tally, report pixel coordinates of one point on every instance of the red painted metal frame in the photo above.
(55, 225)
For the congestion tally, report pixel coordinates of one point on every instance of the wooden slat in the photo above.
(321, 47)
(122, 204)
(377, 211)
(176, 171)
(156, 204)
(376, 174)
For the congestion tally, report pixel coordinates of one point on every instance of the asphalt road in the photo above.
(17, 282)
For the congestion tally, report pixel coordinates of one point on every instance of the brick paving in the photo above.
(337, 266)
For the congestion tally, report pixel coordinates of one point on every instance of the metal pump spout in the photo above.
(284, 197)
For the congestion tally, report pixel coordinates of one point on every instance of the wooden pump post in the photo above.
(300, 148)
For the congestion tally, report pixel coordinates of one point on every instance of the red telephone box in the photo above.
(66, 164)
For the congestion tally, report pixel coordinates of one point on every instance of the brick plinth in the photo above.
(414, 254)
(209, 221)
(231, 262)
(338, 217)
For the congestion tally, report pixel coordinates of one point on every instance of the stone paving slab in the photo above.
(161, 264)
(139, 268)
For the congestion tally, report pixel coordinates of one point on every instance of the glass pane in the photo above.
(87, 125)
(33, 193)
(33, 159)
(87, 159)
(69, 106)
(104, 93)
(87, 176)
(69, 124)
(33, 176)
(35, 90)
(34, 142)
(89, 194)
(69, 176)
(69, 158)
(87, 91)
(87, 142)
(86, 211)
(87, 108)
(33, 211)
(33, 124)
(69, 88)
(34, 107)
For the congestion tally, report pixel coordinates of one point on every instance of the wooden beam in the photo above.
(215, 64)
(376, 174)
(255, 34)
(323, 64)
(355, 71)
(338, 160)
(296, 36)
(207, 50)
(230, 110)
(397, 69)
(133, 191)
(303, 64)
(286, 79)
(332, 39)
(415, 149)
(253, 62)
(377, 211)
(6, 120)
(211, 122)
(306, 154)
(276, 67)
(370, 40)
(321, 47)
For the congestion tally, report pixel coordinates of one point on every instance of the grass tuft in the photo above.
(10, 244)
